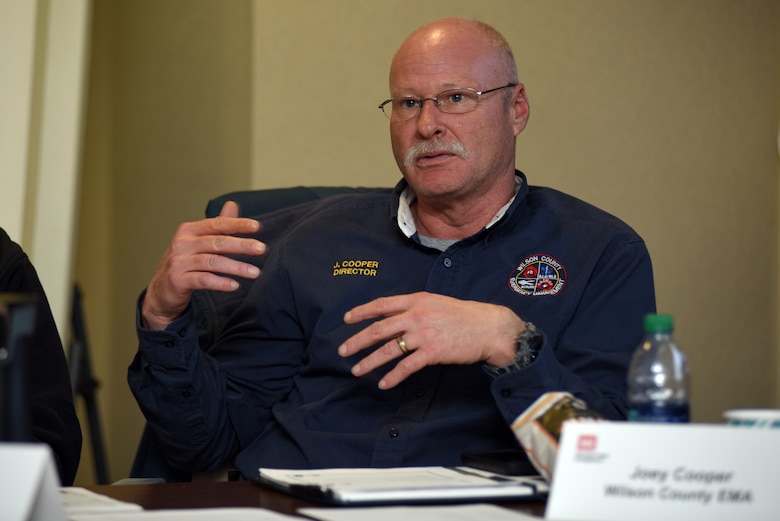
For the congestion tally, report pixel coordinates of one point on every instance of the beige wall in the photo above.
(43, 63)
(167, 127)
(664, 112)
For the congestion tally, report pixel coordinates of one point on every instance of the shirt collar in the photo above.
(406, 219)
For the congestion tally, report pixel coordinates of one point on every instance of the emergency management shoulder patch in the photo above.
(538, 275)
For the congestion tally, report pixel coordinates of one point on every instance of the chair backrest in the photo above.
(259, 202)
(211, 309)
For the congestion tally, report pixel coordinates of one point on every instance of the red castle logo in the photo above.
(586, 442)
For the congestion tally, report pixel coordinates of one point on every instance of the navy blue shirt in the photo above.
(272, 390)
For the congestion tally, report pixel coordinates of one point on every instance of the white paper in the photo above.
(79, 500)
(192, 514)
(474, 512)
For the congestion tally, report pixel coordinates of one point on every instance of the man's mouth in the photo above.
(433, 156)
(430, 152)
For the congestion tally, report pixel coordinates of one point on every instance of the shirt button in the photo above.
(419, 394)
(447, 262)
(170, 343)
(506, 393)
(393, 433)
(186, 394)
(183, 333)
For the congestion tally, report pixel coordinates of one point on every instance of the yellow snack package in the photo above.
(538, 428)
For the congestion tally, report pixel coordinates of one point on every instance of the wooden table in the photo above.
(232, 494)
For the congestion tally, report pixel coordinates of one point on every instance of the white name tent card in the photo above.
(29, 485)
(618, 471)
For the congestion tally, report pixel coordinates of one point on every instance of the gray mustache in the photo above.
(432, 147)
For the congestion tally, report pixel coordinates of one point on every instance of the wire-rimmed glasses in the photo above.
(450, 101)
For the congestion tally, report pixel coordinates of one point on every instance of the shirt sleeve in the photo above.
(208, 392)
(172, 381)
(205, 405)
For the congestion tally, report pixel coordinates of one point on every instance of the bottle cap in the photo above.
(658, 323)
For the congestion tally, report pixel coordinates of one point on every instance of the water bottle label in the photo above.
(665, 413)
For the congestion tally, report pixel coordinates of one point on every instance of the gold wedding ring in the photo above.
(402, 345)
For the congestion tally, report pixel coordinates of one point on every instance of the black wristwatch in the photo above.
(529, 343)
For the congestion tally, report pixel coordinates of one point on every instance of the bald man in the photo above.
(403, 328)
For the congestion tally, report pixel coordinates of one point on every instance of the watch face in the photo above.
(530, 341)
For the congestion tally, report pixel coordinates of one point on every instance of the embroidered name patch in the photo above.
(366, 268)
(538, 275)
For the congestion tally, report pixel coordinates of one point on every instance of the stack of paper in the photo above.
(353, 486)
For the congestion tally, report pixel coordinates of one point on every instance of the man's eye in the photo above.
(456, 97)
(409, 103)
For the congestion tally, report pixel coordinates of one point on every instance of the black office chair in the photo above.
(285, 206)
(260, 202)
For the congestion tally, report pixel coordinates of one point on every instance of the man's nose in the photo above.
(428, 120)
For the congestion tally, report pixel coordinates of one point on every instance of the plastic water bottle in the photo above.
(658, 386)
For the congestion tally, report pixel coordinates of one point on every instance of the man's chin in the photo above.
(433, 183)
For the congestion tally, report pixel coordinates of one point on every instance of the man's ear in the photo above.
(520, 109)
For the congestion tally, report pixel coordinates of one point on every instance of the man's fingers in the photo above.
(212, 263)
(212, 281)
(229, 209)
(227, 222)
(186, 246)
(224, 225)
(227, 244)
(380, 307)
(385, 353)
(376, 332)
(405, 367)
(407, 363)
(200, 257)
(436, 329)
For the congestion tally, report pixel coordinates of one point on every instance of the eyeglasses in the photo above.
(452, 101)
